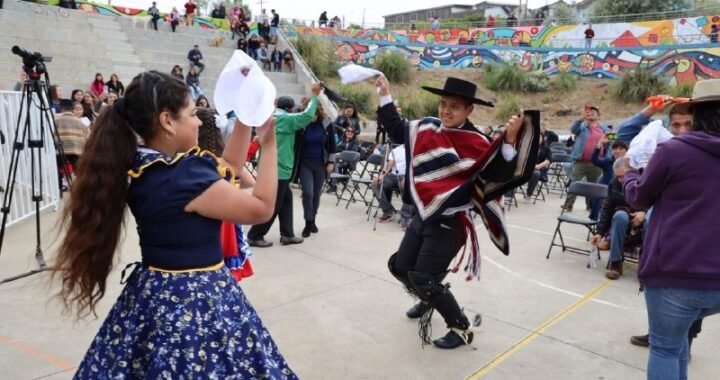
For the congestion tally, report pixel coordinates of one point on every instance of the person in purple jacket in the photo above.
(680, 265)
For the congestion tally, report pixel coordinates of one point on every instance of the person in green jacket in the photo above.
(286, 124)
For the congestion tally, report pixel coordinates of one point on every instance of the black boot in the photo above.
(430, 290)
(313, 227)
(307, 229)
(418, 310)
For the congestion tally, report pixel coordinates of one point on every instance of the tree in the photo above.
(603, 8)
(564, 14)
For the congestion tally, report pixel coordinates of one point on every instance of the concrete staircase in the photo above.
(83, 44)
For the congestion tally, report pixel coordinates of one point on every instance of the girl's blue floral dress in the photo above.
(190, 319)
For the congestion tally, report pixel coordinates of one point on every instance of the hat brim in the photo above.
(687, 106)
(443, 92)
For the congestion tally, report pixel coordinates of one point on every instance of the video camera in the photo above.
(33, 63)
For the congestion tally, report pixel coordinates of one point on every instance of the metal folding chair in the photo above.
(583, 189)
(345, 164)
(372, 167)
(556, 173)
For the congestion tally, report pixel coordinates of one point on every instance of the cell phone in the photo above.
(612, 136)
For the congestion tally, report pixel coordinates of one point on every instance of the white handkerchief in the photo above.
(243, 88)
(353, 73)
(643, 146)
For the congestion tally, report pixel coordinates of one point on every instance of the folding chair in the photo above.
(583, 189)
(345, 164)
(541, 187)
(372, 167)
(556, 173)
(510, 198)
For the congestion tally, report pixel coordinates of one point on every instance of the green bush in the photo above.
(505, 78)
(319, 54)
(508, 106)
(360, 95)
(536, 81)
(564, 82)
(395, 66)
(418, 104)
(682, 91)
(638, 85)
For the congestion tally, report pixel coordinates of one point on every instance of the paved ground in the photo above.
(336, 313)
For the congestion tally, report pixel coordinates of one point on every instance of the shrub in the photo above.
(638, 85)
(508, 106)
(684, 90)
(395, 66)
(418, 104)
(536, 81)
(505, 78)
(360, 95)
(564, 82)
(319, 54)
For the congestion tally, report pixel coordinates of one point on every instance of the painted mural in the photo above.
(679, 49)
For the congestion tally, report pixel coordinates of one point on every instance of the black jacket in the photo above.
(345, 122)
(498, 170)
(614, 202)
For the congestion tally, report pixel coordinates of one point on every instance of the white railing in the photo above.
(46, 174)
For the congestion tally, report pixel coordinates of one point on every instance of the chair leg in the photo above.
(552, 243)
(562, 241)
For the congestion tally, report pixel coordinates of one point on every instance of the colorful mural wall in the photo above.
(679, 49)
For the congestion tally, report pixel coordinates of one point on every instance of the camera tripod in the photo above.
(34, 93)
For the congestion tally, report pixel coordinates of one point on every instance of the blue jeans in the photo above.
(312, 177)
(671, 312)
(618, 231)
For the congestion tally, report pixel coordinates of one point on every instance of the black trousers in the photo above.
(283, 210)
(312, 177)
(429, 247)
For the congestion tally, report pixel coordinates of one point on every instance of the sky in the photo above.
(310, 9)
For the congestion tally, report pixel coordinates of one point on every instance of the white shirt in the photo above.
(398, 157)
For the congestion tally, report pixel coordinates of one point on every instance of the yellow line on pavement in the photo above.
(497, 360)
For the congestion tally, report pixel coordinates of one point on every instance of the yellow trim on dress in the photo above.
(191, 270)
(225, 172)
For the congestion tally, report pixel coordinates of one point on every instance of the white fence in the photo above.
(45, 171)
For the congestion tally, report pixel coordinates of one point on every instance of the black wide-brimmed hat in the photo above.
(458, 87)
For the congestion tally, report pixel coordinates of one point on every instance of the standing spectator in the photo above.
(21, 83)
(97, 87)
(323, 20)
(276, 59)
(154, 14)
(177, 72)
(288, 60)
(264, 57)
(314, 144)
(253, 46)
(190, 8)
(115, 85)
(714, 34)
(349, 118)
(193, 81)
(243, 45)
(216, 12)
(222, 11)
(174, 19)
(589, 35)
(435, 23)
(336, 23)
(202, 101)
(680, 265)
(235, 28)
(194, 57)
(588, 134)
(512, 20)
(264, 18)
(274, 24)
(490, 23)
(286, 125)
(541, 170)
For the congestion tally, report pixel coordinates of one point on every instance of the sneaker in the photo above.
(288, 240)
(615, 270)
(640, 340)
(386, 217)
(260, 243)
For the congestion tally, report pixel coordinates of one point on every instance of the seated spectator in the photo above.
(194, 57)
(603, 157)
(77, 95)
(78, 112)
(392, 178)
(541, 169)
(242, 45)
(202, 101)
(276, 59)
(88, 103)
(97, 87)
(349, 141)
(115, 85)
(55, 97)
(71, 132)
(193, 82)
(264, 57)
(288, 60)
(349, 118)
(618, 218)
(253, 46)
(177, 72)
(21, 83)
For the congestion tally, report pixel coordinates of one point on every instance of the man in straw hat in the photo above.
(451, 169)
